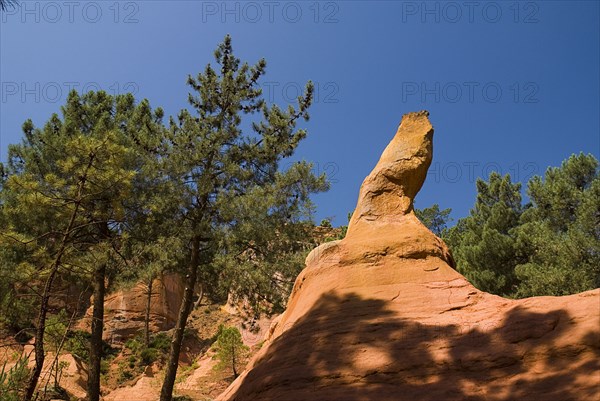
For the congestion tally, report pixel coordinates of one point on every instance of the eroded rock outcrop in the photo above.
(382, 315)
(125, 310)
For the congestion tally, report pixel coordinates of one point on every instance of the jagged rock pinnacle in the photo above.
(388, 192)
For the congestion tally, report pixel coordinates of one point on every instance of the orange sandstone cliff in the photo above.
(125, 310)
(382, 314)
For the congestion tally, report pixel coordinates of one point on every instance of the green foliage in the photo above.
(70, 190)
(148, 355)
(142, 356)
(560, 233)
(56, 329)
(218, 333)
(107, 184)
(548, 247)
(66, 194)
(230, 349)
(484, 243)
(185, 371)
(435, 219)
(160, 342)
(223, 182)
(56, 393)
(326, 223)
(14, 380)
(124, 374)
(104, 367)
(17, 306)
(78, 344)
(344, 229)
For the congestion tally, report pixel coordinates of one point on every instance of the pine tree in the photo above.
(66, 198)
(435, 219)
(229, 199)
(230, 349)
(484, 243)
(560, 233)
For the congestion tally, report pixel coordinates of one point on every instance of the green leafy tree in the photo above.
(228, 198)
(230, 349)
(66, 199)
(435, 219)
(484, 243)
(560, 233)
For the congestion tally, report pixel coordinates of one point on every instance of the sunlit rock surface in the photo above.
(382, 315)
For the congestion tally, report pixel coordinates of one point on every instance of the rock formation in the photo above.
(125, 310)
(382, 314)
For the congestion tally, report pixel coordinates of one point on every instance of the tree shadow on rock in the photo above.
(348, 348)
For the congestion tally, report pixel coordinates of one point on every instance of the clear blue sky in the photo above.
(511, 86)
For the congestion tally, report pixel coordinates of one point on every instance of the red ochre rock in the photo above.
(125, 310)
(382, 315)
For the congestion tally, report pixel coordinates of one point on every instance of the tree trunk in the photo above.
(166, 393)
(235, 373)
(200, 296)
(39, 337)
(147, 317)
(96, 337)
(41, 325)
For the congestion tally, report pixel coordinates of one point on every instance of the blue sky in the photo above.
(511, 86)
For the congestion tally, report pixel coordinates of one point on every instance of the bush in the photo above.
(161, 342)
(104, 366)
(141, 356)
(134, 344)
(149, 355)
(125, 375)
(14, 380)
(325, 223)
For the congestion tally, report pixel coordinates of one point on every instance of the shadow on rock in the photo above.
(353, 349)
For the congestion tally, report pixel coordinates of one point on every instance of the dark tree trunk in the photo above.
(39, 337)
(166, 393)
(41, 324)
(96, 337)
(235, 373)
(147, 317)
(200, 296)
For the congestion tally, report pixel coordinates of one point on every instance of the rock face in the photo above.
(382, 315)
(72, 371)
(125, 310)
